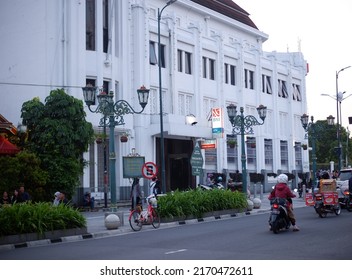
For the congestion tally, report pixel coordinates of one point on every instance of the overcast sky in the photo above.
(324, 30)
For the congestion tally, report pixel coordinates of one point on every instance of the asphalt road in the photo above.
(238, 238)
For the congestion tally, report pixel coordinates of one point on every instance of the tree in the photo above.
(59, 135)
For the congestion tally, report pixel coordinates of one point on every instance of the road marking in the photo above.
(175, 252)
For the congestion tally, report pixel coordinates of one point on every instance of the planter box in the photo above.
(56, 234)
(205, 215)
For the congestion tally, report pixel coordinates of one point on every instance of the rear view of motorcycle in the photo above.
(347, 201)
(278, 216)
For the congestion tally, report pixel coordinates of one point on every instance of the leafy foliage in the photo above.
(58, 134)
(197, 202)
(38, 218)
(24, 168)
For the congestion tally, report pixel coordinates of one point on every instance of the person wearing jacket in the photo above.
(282, 190)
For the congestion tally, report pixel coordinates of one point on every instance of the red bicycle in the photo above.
(138, 217)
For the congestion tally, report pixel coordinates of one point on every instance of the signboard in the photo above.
(208, 144)
(217, 120)
(196, 160)
(132, 167)
(149, 170)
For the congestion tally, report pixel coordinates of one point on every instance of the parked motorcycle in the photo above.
(278, 216)
(325, 204)
(347, 201)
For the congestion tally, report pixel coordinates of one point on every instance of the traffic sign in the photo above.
(196, 160)
(149, 170)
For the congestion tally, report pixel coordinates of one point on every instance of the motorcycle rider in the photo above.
(282, 190)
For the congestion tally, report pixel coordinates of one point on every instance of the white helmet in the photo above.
(282, 178)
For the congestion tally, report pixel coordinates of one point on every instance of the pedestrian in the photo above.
(63, 199)
(88, 200)
(23, 195)
(136, 194)
(15, 196)
(56, 201)
(5, 199)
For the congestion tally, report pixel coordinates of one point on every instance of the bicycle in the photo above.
(138, 218)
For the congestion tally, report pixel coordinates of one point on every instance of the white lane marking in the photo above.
(174, 252)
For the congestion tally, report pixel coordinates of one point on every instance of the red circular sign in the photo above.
(149, 170)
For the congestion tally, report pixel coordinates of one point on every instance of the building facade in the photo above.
(211, 56)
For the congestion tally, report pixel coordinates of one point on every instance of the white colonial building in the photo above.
(211, 57)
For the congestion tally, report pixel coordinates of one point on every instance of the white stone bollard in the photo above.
(112, 221)
(250, 205)
(257, 203)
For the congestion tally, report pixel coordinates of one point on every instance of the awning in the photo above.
(6, 147)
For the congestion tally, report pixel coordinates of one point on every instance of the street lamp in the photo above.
(337, 117)
(162, 153)
(312, 129)
(113, 113)
(242, 125)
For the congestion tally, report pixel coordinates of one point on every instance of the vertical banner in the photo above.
(217, 121)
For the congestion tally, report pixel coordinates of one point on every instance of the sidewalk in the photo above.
(96, 220)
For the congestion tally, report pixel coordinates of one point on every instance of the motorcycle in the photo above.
(300, 190)
(347, 201)
(278, 216)
(326, 203)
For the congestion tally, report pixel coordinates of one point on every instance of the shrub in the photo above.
(38, 218)
(197, 202)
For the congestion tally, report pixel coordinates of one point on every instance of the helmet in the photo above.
(282, 178)
(219, 179)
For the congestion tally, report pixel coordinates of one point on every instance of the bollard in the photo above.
(261, 191)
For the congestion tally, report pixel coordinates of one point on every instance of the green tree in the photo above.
(24, 168)
(59, 135)
(326, 144)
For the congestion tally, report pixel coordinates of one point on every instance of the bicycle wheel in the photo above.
(155, 218)
(135, 221)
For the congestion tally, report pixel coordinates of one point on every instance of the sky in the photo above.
(323, 30)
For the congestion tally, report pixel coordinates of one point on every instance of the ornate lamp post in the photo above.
(312, 129)
(243, 125)
(162, 153)
(112, 116)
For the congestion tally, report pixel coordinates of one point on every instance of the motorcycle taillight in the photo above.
(318, 197)
(276, 206)
(346, 193)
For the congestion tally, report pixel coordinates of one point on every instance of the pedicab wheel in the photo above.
(155, 218)
(337, 210)
(135, 221)
(321, 213)
(348, 205)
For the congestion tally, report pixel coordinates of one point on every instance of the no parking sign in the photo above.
(149, 170)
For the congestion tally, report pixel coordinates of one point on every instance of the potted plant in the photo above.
(99, 138)
(124, 137)
(231, 143)
(304, 146)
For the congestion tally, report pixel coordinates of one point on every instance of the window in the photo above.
(152, 53)
(184, 104)
(188, 63)
(282, 89)
(205, 72)
(179, 61)
(105, 26)
(251, 153)
(296, 92)
(153, 60)
(268, 152)
(154, 101)
(186, 57)
(232, 153)
(298, 156)
(208, 68)
(284, 155)
(229, 74)
(248, 79)
(90, 25)
(266, 84)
